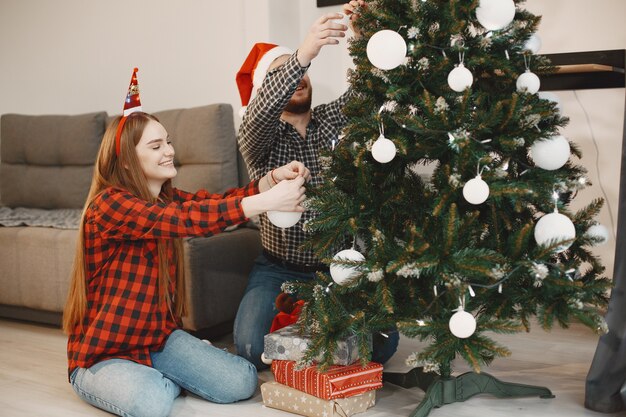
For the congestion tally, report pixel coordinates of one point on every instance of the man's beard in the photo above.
(300, 106)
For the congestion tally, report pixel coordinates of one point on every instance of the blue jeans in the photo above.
(129, 389)
(257, 310)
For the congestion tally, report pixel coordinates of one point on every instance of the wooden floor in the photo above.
(33, 379)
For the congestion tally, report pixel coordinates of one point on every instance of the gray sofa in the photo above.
(46, 163)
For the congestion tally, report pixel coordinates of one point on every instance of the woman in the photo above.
(127, 353)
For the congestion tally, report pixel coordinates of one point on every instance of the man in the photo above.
(279, 125)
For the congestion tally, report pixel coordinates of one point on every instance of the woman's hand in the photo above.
(287, 195)
(291, 171)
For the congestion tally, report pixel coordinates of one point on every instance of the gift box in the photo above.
(287, 344)
(289, 399)
(336, 382)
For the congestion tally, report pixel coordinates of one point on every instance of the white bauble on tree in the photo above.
(383, 150)
(495, 14)
(460, 78)
(551, 153)
(555, 226)
(528, 82)
(476, 190)
(600, 232)
(462, 324)
(343, 274)
(533, 44)
(284, 219)
(386, 49)
(546, 95)
(265, 360)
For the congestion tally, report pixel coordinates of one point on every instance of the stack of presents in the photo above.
(345, 388)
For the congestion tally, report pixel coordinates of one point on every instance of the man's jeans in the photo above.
(129, 389)
(257, 310)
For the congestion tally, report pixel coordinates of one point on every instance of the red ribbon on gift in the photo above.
(289, 311)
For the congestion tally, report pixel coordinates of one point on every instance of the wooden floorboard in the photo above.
(33, 379)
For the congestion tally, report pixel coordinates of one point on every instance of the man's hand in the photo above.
(291, 171)
(324, 31)
(350, 10)
(287, 195)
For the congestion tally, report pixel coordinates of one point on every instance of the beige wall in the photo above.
(76, 56)
(580, 25)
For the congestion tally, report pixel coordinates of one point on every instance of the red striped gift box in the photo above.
(337, 382)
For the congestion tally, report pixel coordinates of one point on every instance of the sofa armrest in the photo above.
(217, 270)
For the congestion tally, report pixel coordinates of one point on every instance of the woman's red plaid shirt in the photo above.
(124, 318)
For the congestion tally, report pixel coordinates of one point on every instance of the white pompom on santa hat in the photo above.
(253, 71)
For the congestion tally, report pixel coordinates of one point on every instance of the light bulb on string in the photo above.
(471, 291)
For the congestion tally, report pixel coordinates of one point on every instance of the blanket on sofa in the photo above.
(58, 218)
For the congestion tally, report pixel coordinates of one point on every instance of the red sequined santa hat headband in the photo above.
(131, 104)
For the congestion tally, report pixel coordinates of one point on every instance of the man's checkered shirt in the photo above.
(267, 142)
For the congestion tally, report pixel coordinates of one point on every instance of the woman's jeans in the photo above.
(257, 310)
(126, 388)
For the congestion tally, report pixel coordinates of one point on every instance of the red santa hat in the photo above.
(253, 71)
(131, 104)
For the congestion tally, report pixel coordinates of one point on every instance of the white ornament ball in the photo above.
(495, 14)
(555, 226)
(598, 231)
(284, 219)
(386, 49)
(343, 274)
(460, 78)
(383, 150)
(476, 190)
(533, 44)
(550, 154)
(546, 95)
(528, 82)
(462, 324)
(265, 360)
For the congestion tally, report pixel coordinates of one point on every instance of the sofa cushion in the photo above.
(36, 266)
(47, 161)
(206, 147)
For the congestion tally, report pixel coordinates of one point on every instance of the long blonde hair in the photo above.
(125, 172)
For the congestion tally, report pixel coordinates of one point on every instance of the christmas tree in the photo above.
(484, 243)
